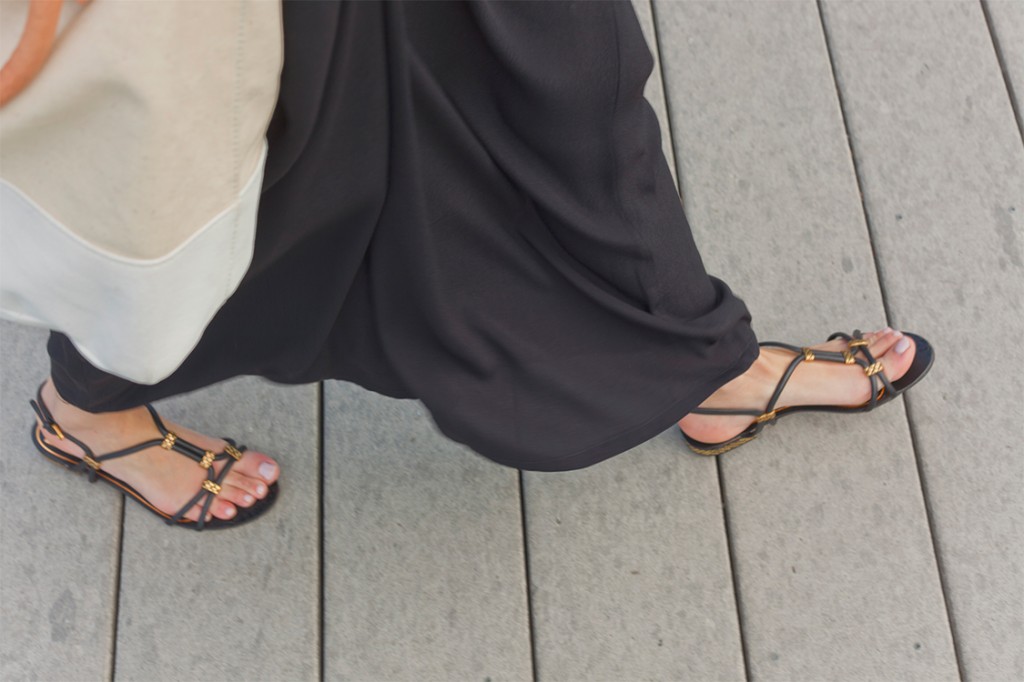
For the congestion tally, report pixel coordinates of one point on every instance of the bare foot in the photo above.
(815, 383)
(166, 478)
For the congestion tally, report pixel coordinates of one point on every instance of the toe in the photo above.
(898, 357)
(256, 465)
(220, 508)
(247, 484)
(237, 496)
(881, 342)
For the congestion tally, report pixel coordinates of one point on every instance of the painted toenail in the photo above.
(887, 330)
(249, 499)
(902, 345)
(261, 489)
(267, 470)
(898, 334)
(229, 512)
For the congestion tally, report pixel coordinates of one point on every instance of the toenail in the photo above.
(229, 512)
(267, 470)
(261, 489)
(898, 334)
(887, 330)
(902, 345)
(249, 499)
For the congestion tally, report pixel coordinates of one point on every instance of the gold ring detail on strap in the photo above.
(873, 369)
(857, 343)
(211, 487)
(233, 451)
(168, 441)
(207, 461)
(808, 354)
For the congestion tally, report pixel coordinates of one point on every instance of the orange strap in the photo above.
(33, 48)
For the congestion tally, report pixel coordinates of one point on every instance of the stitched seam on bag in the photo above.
(256, 175)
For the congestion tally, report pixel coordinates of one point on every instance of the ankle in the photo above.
(764, 370)
(64, 413)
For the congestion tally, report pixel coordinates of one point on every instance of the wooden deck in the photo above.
(843, 164)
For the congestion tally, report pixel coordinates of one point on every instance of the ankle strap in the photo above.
(89, 462)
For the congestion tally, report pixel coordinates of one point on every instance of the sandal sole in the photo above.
(924, 358)
(70, 462)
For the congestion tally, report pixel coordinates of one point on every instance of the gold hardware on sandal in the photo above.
(873, 369)
(90, 463)
(882, 389)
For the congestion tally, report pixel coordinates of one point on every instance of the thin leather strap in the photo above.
(198, 497)
(51, 426)
(807, 355)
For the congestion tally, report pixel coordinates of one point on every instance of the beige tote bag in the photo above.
(130, 173)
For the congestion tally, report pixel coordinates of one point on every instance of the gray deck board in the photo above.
(629, 567)
(942, 167)
(58, 540)
(425, 574)
(1008, 27)
(837, 576)
(630, 571)
(238, 604)
(654, 91)
(850, 535)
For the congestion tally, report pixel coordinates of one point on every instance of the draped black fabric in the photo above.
(467, 203)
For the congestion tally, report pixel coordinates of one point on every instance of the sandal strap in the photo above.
(91, 463)
(174, 443)
(856, 343)
(872, 367)
(210, 488)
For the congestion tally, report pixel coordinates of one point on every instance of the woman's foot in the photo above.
(167, 479)
(812, 383)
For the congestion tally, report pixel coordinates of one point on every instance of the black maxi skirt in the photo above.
(467, 204)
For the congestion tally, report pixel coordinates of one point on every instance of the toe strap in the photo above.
(856, 352)
(89, 463)
(873, 368)
(211, 487)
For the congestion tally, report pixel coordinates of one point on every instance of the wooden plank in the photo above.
(58, 540)
(629, 566)
(629, 569)
(654, 91)
(423, 546)
(1008, 32)
(836, 572)
(942, 167)
(236, 604)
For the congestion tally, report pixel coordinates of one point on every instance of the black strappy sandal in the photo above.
(91, 464)
(882, 390)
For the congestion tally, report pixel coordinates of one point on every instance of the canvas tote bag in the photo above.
(130, 173)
